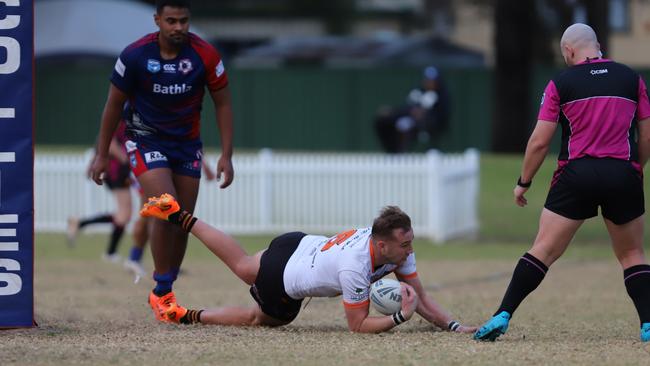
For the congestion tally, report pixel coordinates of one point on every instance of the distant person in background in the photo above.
(603, 109)
(117, 179)
(423, 119)
(164, 76)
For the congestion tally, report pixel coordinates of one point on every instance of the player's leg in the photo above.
(554, 235)
(221, 244)
(155, 182)
(233, 315)
(121, 218)
(623, 210)
(187, 191)
(627, 242)
(75, 224)
(140, 237)
(275, 306)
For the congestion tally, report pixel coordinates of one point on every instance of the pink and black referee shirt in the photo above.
(598, 104)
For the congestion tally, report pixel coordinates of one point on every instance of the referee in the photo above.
(603, 110)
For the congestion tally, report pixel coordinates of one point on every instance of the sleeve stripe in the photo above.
(356, 304)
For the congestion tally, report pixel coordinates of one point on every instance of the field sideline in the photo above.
(91, 313)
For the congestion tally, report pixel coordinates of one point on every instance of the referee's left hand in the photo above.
(520, 200)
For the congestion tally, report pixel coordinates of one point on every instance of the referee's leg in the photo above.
(627, 242)
(554, 235)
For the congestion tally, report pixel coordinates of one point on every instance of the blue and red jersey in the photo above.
(598, 104)
(165, 96)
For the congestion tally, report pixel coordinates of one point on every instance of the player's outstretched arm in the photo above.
(430, 310)
(360, 322)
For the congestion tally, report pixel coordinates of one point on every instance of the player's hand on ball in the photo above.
(409, 300)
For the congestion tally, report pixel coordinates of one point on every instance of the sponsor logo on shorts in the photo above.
(153, 156)
(185, 65)
(169, 68)
(153, 66)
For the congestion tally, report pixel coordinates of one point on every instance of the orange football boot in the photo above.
(174, 313)
(162, 304)
(160, 207)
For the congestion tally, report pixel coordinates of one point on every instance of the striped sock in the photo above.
(191, 317)
(184, 219)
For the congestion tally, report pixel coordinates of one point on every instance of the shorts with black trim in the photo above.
(268, 289)
(584, 184)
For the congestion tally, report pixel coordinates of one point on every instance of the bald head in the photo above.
(578, 43)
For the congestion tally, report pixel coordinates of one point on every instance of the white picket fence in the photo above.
(277, 192)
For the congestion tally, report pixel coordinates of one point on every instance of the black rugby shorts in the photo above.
(586, 183)
(120, 178)
(268, 289)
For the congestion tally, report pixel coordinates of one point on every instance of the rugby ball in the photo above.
(386, 296)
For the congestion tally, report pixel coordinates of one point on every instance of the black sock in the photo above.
(637, 283)
(191, 317)
(95, 220)
(184, 219)
(528, 274)
(116, 235)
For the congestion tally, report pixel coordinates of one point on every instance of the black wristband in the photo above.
(398, 318)
(453, 325)
(522, 184)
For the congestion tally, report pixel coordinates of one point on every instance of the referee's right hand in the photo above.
(520, 200)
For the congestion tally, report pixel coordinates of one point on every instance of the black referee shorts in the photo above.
(586, 183)
(268, 289)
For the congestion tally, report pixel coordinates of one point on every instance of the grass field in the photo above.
(90, 312)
